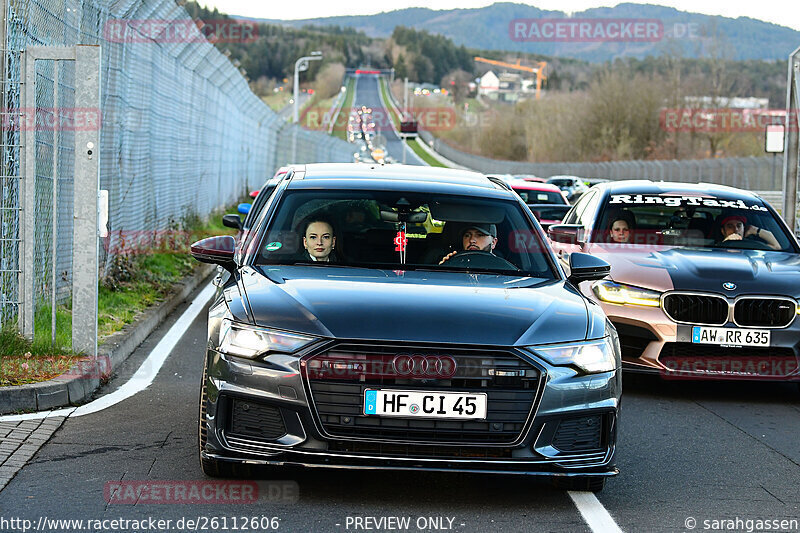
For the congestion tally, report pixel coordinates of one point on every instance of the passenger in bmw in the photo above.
(319, 240)
(476, 238)
(734, 227)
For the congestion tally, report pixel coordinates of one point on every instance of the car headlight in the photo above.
(592, 356)
(619, 293)
(249, 341)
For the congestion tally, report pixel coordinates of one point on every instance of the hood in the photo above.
(415, 306)
(704, 269)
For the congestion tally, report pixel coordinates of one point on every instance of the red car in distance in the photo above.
(548, 203)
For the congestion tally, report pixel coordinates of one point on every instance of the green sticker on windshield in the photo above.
(271, 247)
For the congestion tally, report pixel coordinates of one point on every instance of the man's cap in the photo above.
(731, 218)
(486, 229)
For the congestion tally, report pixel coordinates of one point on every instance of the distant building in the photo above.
(489, 84)
(507, 87)
(734, 102)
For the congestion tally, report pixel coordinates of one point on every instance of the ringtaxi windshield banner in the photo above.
(679, 201)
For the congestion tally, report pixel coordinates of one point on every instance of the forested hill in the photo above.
(487, 28)
(424, 56)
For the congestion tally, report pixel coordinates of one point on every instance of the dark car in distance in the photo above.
(404, 317)
(572, 186)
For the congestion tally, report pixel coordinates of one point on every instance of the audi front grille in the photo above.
(338, 377)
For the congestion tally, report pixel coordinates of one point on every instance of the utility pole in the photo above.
(405, 100)
(301, 65)
(791, 142)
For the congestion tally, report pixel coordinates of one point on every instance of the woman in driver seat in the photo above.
(476, 238)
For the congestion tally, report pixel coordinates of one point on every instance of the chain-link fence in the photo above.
(180, 131)
(751, 173)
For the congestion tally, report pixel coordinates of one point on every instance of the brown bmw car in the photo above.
(705, 279)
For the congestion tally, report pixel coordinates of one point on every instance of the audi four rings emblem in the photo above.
(432, 366)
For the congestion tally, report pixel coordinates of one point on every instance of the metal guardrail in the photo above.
(751, 173)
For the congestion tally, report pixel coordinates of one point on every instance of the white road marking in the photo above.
(596, 516)
(143, 377)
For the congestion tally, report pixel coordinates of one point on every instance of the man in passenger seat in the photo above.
(476, 238)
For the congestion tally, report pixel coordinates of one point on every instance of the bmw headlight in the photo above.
(592, 356)
(619, 293)
(249, 341)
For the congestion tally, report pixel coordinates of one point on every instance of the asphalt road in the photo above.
(709, 451)
(368, 94)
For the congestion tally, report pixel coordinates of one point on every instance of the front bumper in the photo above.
(264, 412)
(652, 343)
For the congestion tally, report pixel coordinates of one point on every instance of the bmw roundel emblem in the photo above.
(728, 286)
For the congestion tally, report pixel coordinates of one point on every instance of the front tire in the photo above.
(212, 467)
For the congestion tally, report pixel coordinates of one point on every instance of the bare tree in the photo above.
(457, 82)
(329, 80)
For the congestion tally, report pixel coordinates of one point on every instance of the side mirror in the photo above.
(566, 233)
(244, 208)
(586, 267)
(232, 221)
(215, 250)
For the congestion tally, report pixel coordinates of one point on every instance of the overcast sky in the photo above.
(783, 12)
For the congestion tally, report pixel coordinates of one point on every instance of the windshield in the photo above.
(549, 212)
(541, 197)
(690, 220)
(382, 229)
(561, 182)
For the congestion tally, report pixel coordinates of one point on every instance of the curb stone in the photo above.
(85, 378)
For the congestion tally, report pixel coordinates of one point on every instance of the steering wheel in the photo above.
(479, 259)
(748, 243)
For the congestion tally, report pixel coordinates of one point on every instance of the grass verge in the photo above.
(277, 101)
(424, 155)
(137, 278)
(389, 107)
(341, 131)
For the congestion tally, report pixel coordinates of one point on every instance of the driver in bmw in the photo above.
(734, 227)
(476, 238)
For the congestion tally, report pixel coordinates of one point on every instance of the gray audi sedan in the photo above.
(405, 318)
